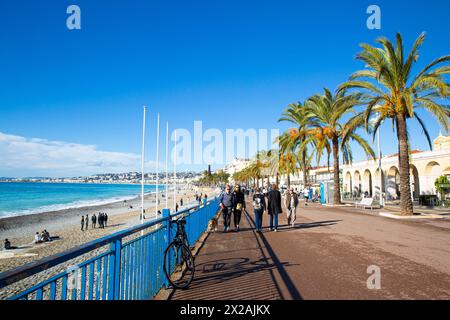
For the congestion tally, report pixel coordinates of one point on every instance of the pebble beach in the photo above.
(65, 224)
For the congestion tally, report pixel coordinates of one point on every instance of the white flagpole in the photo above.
(175, 173)
(157, 167)
(143, 161)
(167, 165)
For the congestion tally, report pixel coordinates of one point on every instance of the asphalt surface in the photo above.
(325, 257)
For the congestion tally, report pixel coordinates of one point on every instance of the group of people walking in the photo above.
(101, 220)
(201, 198)
(271, 202)
(233, 204)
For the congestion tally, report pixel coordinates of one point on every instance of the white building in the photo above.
(426, 167)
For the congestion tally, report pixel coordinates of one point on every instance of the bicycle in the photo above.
(178, 258)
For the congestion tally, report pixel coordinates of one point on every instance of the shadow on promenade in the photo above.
(243, 266)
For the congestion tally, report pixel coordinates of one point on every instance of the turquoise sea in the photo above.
(29, 198)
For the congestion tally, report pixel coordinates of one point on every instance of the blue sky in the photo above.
(231, 64)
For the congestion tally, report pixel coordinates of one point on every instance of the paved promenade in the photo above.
(325, 257)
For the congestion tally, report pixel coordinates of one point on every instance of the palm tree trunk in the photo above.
(337, 180)
(406, 203)
(278, 179)
(304, 169)
(289, 181)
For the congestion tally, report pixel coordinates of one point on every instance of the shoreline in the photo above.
(20, 230)
(73, 206)
(79, 204)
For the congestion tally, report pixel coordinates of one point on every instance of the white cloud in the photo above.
(20, 156)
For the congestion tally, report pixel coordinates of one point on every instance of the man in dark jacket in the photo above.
(274, 207)
(239, 206)
(227, 203)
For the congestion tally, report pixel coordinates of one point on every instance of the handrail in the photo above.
(20, 273)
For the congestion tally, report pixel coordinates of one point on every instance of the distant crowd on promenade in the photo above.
(101, 220)
(233, 204)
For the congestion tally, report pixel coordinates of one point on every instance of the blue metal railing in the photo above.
(127, 265)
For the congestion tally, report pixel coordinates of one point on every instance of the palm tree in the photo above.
(393, 93)
(288, 165)
(328, 111)
(271, 159)
(255, 170)
(294, 137)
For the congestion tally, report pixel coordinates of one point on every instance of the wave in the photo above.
(71, 205)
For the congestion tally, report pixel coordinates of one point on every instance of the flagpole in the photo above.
(175, 174)
(142, 166)
(157, 167)
(167, 165)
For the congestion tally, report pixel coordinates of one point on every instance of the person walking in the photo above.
(238, 207)
(274, 207)
(106, 220)
(86, 221)
(94, 221)
(259, 207)
(82, 223)
(306, 195)
(227, 202)
(291, 203)
(101, 220)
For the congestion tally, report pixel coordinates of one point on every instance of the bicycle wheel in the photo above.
(179, 265)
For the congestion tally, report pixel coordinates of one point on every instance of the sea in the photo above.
(23, 198)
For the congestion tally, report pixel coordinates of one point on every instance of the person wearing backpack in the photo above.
(259, 206)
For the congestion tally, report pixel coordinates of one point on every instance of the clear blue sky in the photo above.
(232, 64)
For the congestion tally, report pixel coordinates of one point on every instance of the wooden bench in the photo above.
(365, 203)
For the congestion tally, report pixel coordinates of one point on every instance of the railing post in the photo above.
(167, 239)
(115, 270)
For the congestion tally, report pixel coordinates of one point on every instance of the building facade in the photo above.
(426, 166)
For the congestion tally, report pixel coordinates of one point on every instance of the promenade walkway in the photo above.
(325, 257)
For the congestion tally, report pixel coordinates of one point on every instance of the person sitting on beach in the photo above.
(7, 245)
(46, 236)
(37, 238)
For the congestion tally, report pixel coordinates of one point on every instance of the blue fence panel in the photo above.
(124, 271)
